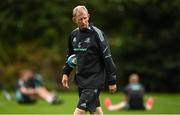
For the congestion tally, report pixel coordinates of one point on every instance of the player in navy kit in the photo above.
(30, 87)
(94, 63)
(134, 97)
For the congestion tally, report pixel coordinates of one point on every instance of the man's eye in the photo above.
(79, 18)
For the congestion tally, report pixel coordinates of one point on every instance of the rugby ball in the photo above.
(71, 61)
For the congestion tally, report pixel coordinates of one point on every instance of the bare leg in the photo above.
(79, 112)
(118, 106)
(44, 94)
(97, 112)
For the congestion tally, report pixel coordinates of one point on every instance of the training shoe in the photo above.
(107, 102)
(149, 103)
(56, 101)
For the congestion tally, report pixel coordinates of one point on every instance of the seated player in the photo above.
(134, 97)
(29, 88)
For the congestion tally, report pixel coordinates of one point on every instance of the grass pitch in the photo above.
(164, 104)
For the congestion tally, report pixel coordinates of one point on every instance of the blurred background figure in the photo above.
(30, 87)
(133, 99)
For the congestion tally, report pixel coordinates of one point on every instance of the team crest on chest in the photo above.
(87, 40)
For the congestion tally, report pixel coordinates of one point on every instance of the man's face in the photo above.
(82, 19)
(27, 75)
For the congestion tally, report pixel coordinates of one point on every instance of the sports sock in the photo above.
(149, 103)
(50, 99)
(107, 102)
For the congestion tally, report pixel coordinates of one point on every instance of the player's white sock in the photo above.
(50, 99)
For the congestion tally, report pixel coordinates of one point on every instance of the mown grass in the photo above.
(164, 104)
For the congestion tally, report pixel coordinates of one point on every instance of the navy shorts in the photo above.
(24, 99)
(88, 99)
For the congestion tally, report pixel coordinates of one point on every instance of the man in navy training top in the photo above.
(94, 63)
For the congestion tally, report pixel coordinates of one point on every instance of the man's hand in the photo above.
(65, 81)
(112, 88)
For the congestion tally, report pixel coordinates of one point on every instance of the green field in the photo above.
(164, 104)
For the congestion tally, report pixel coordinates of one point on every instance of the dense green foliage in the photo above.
(143, 35)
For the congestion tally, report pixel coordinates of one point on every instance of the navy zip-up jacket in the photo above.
(94, 60)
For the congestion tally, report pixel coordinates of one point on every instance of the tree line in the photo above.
(143, 35)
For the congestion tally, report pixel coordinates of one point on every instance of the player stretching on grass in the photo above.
(30, 87)
(94, 63)
(133, 99)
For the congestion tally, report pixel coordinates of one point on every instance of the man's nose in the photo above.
(83, 21)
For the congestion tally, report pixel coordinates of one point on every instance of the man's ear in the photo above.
(74, 19)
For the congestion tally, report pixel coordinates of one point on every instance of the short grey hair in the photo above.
(77, 8)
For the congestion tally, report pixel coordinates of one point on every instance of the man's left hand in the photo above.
(112, 88)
